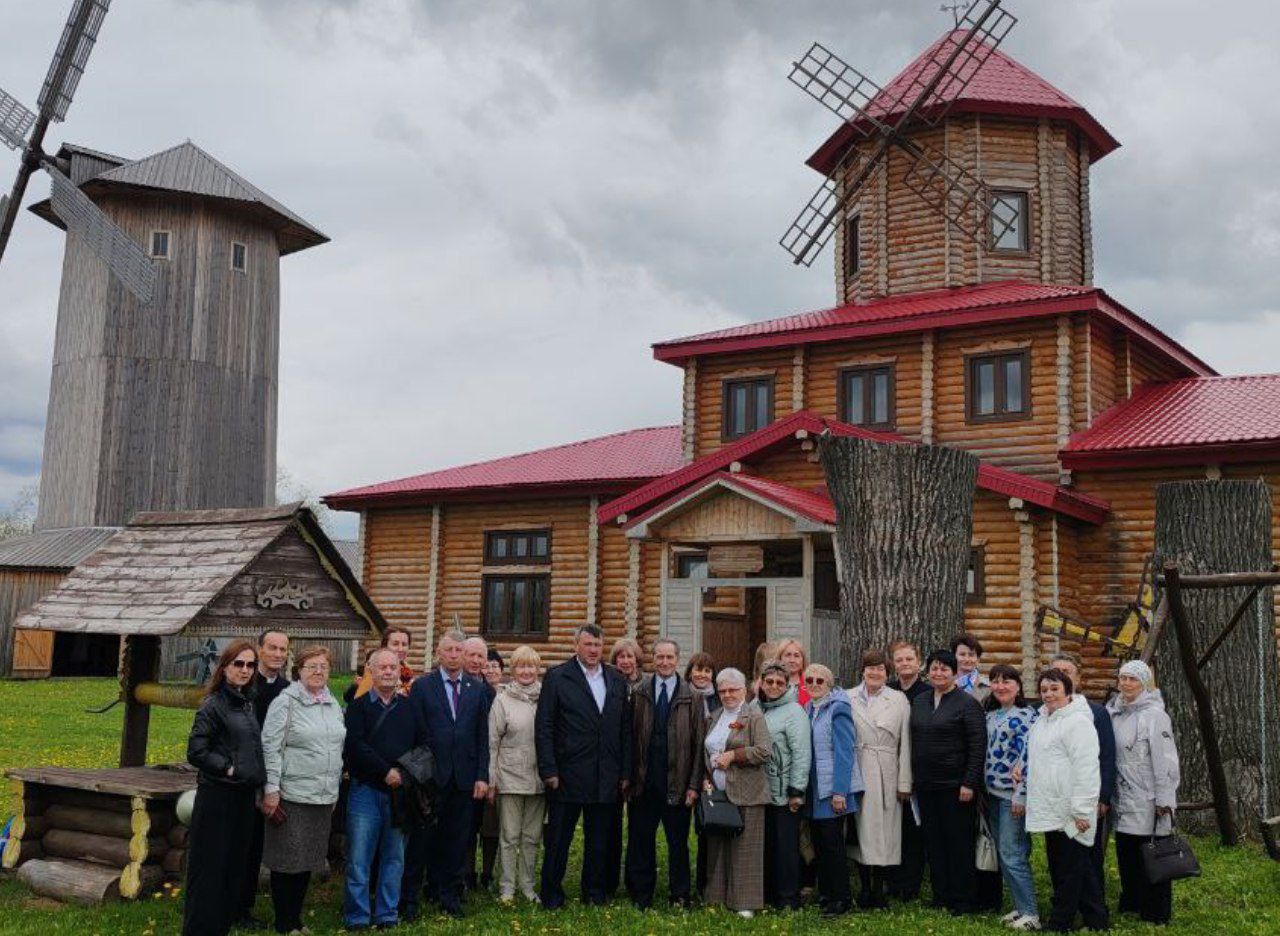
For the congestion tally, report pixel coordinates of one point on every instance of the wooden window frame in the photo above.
(868, 370)
(526, 611)
(244, 247)
(978, 562)
(168, 245)
(510, 558)
(726, 393)
(1001, 414)
(1023, 248)
(853, 245)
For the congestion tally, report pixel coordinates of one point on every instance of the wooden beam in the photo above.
(1204, 708)
(593, 559)
(140, 663)
(1225, 579)
(926, 384)
(1231, 625)
(433, 578)
(1027, 592)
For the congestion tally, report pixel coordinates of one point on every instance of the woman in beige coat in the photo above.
(738, 747)
(513, 774)
(881, 719)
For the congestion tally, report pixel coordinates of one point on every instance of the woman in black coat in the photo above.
(226, 747)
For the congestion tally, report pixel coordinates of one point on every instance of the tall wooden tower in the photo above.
(171, 404)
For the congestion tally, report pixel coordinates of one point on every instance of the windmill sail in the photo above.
(127, 261)
(837, 86)
(69, 62)
(15, 121)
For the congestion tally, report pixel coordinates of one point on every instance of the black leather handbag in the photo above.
(715, 815)
(1169, 858)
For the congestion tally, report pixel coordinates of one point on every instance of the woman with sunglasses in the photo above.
(834, 782)
(226, 748)
(788, 773)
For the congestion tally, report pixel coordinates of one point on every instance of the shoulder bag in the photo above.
(715, 815)
(1169, 858)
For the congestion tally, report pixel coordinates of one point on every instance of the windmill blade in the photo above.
(69, 61)
(15, 121)
(962, 198)
(127, 261)
(816, 222)
(837, 86)
(942, 78)
(11, 203)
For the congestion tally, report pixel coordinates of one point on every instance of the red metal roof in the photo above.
(937, 308)
(1193, 420)
(747, 449)
(609, 463)
(813, 505)
(1002, 85)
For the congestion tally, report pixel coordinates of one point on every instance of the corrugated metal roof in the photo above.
(1195, 411)
(1002, 85)
(632, 456)
(52, 549)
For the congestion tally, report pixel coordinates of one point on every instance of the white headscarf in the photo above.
(1139, 671)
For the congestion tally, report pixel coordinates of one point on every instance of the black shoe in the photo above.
(249, 922)
(835, 908)
(680, 903)
(552, 904)
(453, 910)
(642, 905)
(408, 913)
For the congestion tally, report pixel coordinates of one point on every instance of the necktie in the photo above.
(453, 691)
(664, 704)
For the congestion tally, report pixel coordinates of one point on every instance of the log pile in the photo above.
(92, 836)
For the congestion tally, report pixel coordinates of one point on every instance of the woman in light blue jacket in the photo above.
(302, 741)
(788, 773)
(834, 782)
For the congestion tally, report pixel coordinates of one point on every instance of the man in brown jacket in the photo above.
(667, 769)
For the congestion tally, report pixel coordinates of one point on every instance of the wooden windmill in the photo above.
(889, 119)
(25, 131)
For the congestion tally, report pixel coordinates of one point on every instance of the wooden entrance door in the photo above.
(32, 653)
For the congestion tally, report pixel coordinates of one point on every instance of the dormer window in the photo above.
(1010, 221)
(160, 245)
(748, 406)
(239, 257)
(852, 246)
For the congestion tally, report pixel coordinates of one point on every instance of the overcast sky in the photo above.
(523, 196)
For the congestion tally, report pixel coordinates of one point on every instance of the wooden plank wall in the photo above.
(174, 406)
(825, 361)
(19, 589)
(712, 372)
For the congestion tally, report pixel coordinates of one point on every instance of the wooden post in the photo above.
(140, 663)
(1204, 709)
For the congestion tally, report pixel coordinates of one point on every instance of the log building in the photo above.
(717, 530)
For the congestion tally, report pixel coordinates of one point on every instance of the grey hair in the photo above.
(369, 661)
(455, 635)
(475, 640)
(666, 641)
(730, 677)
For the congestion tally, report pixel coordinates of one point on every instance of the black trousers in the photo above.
(644, 815)
(613, 853)
(947, 827)
(905, 879)
(252, 867)
(562, 819)
(1075, 886)
(1099, 853)
(219, 839)
(288, 892)
(988, 892)
(439, 851)
(1152, 902)
(831, 859)
(782, 857)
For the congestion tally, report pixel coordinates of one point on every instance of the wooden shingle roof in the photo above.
(202, 572)
(52, 550)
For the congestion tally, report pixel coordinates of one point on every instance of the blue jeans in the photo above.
(1014, 848)
(369, 832)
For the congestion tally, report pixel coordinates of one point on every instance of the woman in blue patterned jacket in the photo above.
(1009, 718)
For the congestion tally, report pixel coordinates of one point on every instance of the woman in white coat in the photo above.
(881, 720)
(1146, 788)
(1062, 780)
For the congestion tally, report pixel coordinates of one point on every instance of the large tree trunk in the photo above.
(904, 519)
(1206, 527)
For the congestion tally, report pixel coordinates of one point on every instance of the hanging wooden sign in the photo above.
(728, 561)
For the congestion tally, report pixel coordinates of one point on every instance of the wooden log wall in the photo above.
(825, 362)
(906, 246)
(31, 652)
(396, 571)
(712, 372)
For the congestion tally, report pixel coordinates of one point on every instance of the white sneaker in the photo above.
(746, 914)
(1026, 923)
(1010, 917)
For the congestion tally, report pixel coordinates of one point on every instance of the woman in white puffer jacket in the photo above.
(1062, 781)
(1146, 788)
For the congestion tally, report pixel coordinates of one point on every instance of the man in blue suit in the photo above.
(452, 710)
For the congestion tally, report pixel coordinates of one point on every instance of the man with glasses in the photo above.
(269, 680)
(665, 777)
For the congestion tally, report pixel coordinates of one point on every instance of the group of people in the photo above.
(934, 764)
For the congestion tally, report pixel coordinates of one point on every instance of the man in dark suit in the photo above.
(268, 682)
(906, 878)
(583, 739)
(452, 710)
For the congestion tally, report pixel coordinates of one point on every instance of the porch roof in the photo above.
(811, 509)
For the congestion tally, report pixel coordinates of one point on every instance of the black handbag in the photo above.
(1169, 858)
(715, 815)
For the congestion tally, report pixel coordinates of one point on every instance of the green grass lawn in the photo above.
(45, 723)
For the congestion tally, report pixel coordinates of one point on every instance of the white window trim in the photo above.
(151, 245)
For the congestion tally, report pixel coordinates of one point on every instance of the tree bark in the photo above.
(81, 882)
(63, 843)
(1208, 528)
(904, 520)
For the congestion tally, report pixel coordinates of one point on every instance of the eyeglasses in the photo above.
(315, 668)
(242, 664)
(774, 682)
(815, 680)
